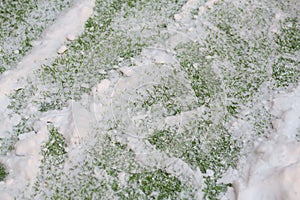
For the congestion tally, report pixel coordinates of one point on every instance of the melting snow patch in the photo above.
(273, 169)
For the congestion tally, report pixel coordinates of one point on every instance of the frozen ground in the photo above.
(151, 100)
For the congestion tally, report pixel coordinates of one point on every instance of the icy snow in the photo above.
(271, 171)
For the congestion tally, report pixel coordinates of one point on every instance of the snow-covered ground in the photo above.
(136, 99)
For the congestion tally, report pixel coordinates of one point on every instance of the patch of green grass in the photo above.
(113, 156)
(24, 126)
(156, 184)
(286, 72)
(7, 144)
(204, 145)
(169, 95)
(288, 39)
(201, 144)
(239, 50)
(213, 189)
(161, 138)
(55, 148)
(141, 183)
(226, 71)
(2, 69)
(244, 70)
(19, 99)
(260, 120)
(285, 68)
(54, 156)
(3, 172)
(195, 63)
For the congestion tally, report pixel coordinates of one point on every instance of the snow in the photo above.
(273, 168)
(285, 108)
(62, 49)
(270, 168)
